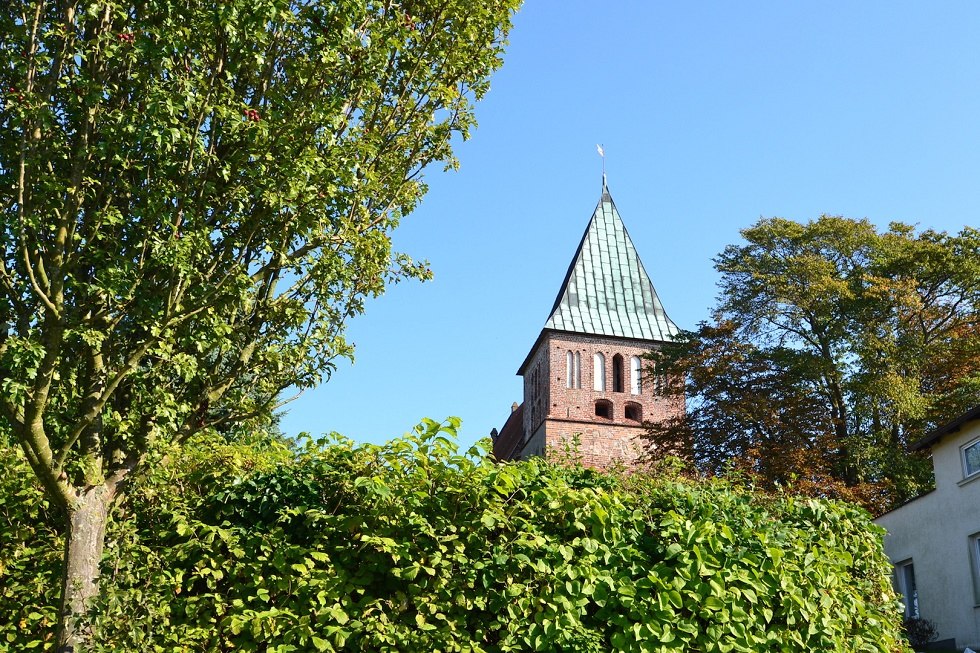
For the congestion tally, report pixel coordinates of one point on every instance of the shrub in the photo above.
(30, 557)
(919, 631)
(412, 546)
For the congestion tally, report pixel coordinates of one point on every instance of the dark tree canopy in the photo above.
(833, 347)
(195, 198)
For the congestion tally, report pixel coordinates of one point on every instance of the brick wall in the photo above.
(565, 412)
(537, 389)
(594, 445)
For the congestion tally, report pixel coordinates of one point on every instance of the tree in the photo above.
(196, 196)
(833, 347)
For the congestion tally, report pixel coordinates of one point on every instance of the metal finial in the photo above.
(602, 153)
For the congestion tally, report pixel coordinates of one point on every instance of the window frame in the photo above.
(598, 372)
(974, 541)
(636, 376)
(912, 609)
(975, 442)
(618, 373)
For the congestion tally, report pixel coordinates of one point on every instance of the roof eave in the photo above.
(530, 354)
(952, 426)
(548, 330)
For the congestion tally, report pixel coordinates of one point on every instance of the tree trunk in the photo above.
(84, 542)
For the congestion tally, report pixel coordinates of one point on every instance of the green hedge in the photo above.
(30, 555)
(414, 547)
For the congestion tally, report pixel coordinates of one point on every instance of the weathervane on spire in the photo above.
(602, 153)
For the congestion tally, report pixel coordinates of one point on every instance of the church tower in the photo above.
(585, 377)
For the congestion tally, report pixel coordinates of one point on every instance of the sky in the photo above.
(712, 115)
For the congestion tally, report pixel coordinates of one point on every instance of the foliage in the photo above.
(833, 347)
(412, 546)
(195, 198)
(31, 550)
(30, 556)
(919, 631)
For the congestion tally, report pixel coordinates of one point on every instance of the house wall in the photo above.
(934, 532)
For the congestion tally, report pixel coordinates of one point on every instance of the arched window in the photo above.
(599, 373)
(603, 408)
(578, 369)
(569, 370)
(659, 380)
(633, 411)
(636, 369)
(617, 373)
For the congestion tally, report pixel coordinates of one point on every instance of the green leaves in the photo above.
(834, 345)
(303, 554)
(207, 196)
(195, 198)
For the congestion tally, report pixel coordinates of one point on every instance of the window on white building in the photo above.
(971, 458)
(905, 580)
(975, 565)
(599, 373)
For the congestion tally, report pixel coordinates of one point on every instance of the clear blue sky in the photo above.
(712, 115)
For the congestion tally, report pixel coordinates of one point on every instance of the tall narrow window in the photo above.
(971, 458)
(659, 380)
(599, 373)
(636, 368)
(975, 565)
(618, 373)
(578, 369)
(905, 577)
(569, 370)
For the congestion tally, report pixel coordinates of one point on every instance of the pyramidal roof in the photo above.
(606, 290)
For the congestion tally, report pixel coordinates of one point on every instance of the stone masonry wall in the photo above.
(536, 390)
(572, 411)
(594, 445)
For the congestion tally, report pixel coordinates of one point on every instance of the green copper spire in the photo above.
(606, 290)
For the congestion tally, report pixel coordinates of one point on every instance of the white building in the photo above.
(934, 540)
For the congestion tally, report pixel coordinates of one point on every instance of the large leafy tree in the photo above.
(833, 347)
(195, 197)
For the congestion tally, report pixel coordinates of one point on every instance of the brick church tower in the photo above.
(585, 376)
